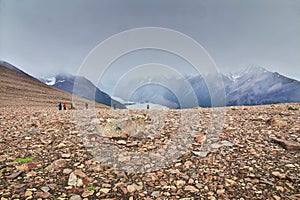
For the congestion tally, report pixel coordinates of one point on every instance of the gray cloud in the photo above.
(43, 36)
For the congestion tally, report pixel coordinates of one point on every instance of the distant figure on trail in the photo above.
(148, 106)
(72, 106)
(59, 106)
(65, 106)
(86, 106)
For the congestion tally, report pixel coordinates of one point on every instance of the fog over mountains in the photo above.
(253, 85)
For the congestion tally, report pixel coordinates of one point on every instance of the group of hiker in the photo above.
(63, 106)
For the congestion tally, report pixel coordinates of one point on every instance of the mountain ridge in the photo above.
(83, 88)
(253, 85)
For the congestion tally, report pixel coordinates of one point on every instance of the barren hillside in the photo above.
(19, 90)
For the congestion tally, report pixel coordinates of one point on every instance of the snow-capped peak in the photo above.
(250, 70)
(49, 80)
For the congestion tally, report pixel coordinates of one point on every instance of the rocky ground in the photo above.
(51, 154)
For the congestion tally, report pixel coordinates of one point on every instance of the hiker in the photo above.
(86, 105)
(148, 106)
(65, 106)
(72, 106)
(59, 106)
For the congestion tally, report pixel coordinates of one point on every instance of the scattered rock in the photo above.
(28, 166)
(276, 122)
(67, 171)
(289, 145)
(295, 197)
(65, 155)
(72, 181)
(226, 143)
(105, 190)
(2, 158)
(14, 175)
(75, 197)
(43, 195)
(276, 197)
(247, 163)
(220, 192)
(278, 175)
(180, 183)
(122, 142)
(80, 173)
(155, 194)
(200, 138)
(131, 188)
(87, 193)
(45, 189)
(290, 165)
(201, 154)
(191, 188)
(139, 186)
(79, 182)
(28, 193)
(56, 165)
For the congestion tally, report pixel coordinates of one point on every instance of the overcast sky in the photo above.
(43, 36)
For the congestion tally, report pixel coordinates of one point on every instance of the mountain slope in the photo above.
(250, 86)
(12, 67)
(18, 89)
(257, 86)
(84, 88)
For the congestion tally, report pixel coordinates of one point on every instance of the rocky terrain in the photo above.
(103, 153)
(51, 154)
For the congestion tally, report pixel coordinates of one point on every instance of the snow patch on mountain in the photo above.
(49, 80)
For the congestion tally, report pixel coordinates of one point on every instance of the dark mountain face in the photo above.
(258, 86)
(81, 87)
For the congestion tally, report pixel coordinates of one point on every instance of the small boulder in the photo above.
(288, 145)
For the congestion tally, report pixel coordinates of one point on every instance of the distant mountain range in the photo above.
(256, 85)
(253, 85)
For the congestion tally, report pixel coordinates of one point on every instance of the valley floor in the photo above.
(51, 154)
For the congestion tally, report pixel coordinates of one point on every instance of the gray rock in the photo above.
(227, 143)
(72, 179)
(201, 154)
(155, 193)
(45, 189)
(216, 145)
(75, 197)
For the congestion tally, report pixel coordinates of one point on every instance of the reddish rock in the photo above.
(14, 175)
(288, 145)
(57, 164)
(200, 138)
(44, 195)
